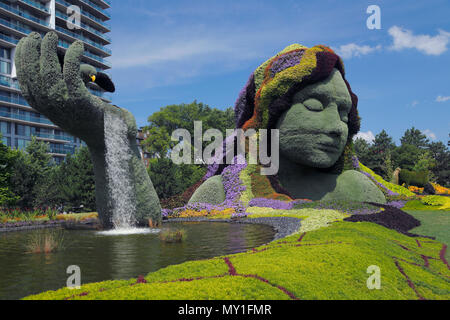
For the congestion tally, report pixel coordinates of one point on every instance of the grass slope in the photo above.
(434, 224)
(329, 263)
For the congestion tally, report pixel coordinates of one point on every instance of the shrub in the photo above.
(435, 201)
(172, 236)
(45, 242)
(412, 178)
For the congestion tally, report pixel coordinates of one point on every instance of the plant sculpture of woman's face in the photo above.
(314, 131)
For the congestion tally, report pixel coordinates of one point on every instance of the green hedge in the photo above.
(412, 178)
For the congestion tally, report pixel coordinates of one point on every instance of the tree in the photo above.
(362, 149)
(162, 172)
(415, 138)
(387, 168)
(182, 116)
(168, 178)
(378, 151)
(441, 155)
(406, 156)
(30, 170)
(70, 184)
(7, 158)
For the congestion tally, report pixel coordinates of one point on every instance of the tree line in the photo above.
(30, 178)
(415, 153)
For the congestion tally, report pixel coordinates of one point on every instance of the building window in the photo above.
(5, 67)
(5, 127)
(5, 53)
(21, 143)
(22, 130)
(6, 141)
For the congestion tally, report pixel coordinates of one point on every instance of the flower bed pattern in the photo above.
(413, 269)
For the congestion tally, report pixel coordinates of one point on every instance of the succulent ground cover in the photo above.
(329, 263)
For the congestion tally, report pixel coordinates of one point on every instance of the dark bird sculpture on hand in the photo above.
(90, 74)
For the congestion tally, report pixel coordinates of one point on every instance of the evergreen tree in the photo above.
(415, 138)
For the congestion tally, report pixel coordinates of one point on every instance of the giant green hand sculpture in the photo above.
(124, 192)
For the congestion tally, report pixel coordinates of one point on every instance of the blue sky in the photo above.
(170, 52)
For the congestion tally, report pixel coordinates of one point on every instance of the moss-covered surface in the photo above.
(211, 191)
(434, 224)
(328, 263)
(353, 185)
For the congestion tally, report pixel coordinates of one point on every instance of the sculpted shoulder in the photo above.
(355, 186)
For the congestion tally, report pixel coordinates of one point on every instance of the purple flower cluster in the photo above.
(274, 204)
(233, 186)
(243, 108)
(397, 204)
(286, 61)
(218, 159)
(166, 212)
(355, 162)
(388, 192)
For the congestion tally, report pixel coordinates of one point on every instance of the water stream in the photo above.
(119, 173)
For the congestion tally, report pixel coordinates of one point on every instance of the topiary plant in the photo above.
(62, 96)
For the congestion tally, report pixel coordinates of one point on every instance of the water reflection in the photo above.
(103, 257)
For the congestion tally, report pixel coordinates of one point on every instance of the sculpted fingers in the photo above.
(72, 77)
(53, 85)
(28, 66)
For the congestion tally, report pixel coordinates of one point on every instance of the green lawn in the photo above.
(328, 263)
(434, 223)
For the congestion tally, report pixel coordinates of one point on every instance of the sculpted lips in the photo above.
(328, 147)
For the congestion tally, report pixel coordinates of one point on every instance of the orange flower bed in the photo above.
(204, 213)
(415, 189)
(440, 189)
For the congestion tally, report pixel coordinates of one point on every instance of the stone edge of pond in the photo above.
(31, 226)
(283, 226)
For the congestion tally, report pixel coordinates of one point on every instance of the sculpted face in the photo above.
(314, 131)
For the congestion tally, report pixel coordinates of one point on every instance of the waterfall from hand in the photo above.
(118, 172)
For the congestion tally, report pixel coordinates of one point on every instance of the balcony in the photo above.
(10, 40)
(15, 100)
(52, 137)
(10, 25)
(84, 39)
(8, 82)
(23, 14)
(103, 36)
(36, 5)
(86, 14)
(63, 149)
(96, 7)
(26, 118)
(103, 62)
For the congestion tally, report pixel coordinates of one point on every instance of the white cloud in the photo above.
(368, 136)
(430, 134)
(414, 103)
(442, 99)
(431, 45)
(350, 50)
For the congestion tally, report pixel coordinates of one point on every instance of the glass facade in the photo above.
(18, 121)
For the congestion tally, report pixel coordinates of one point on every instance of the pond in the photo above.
(106, 257)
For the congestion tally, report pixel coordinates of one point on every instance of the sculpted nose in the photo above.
(334, 126)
